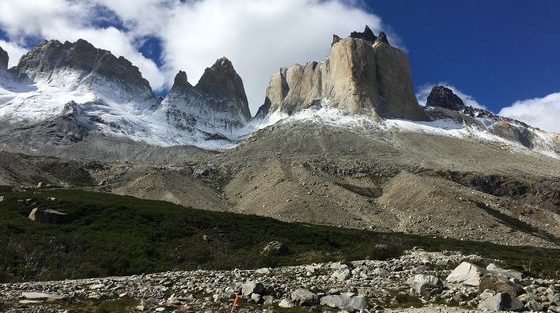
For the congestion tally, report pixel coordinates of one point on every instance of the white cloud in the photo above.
(424, 91)
(71, 20)
(14, 52)
(539, 112)
(259, 36)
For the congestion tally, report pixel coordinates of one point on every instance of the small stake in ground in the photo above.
(237, 297)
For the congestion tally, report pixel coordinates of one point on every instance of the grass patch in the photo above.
(108, 234)
(119, 305)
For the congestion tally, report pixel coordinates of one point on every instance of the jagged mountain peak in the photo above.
(382, 38)
(441, 96)
(359, 79)
(362, 74)
(367, 35)
(222, 82)
(223, 64)
(4, 58)
(181, 81)
(216, 106)
(53, 56)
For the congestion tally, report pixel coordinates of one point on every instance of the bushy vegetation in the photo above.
(108, 234)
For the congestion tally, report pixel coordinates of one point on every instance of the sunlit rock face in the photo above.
(363, 74)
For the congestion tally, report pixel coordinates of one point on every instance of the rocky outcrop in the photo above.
(443, 97)
(275, 248)
(222, 83)
(366, 35)
(442, 103)
(217, 102)
(4, 58)
(466, 273)
(95, 66)
(358, 77)
(47, 216)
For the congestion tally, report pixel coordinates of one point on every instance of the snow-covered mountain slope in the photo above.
(107, 94)
(183, 119)
(66, 91)
(29, 103)
(216, 105)
(485, 128)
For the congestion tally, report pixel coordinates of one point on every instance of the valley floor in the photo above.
(410, 283)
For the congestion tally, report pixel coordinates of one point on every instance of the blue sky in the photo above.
(498, 51)
(500, 54)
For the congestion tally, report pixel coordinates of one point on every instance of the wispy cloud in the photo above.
(424, 91)
(540, 112)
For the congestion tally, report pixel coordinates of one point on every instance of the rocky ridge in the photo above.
(97, 68)
(111, 97)
(443, 97)
(431, 281)
(442, 104)
(363, 74)
(217, 103)
(4, 58)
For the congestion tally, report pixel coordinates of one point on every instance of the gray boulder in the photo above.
(48, 216)
(554, 298)
(346, 302)
(286, 304)
(497, 302)
(275, 248)
(304, 297)
(41, 296)
(467, 274)
(251, 287)
(500, 285)
(341, 274)
(535, 306)
(496, 270)
(426, 284)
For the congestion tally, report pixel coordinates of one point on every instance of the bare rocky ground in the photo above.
(418, 281)
(316, 173)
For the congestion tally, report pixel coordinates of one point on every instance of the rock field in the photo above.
(418, 281)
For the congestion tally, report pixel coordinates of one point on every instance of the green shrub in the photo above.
(119, 235)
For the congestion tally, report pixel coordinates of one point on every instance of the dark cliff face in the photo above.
(221, 81)
(366, 35)
(219, 89)
(216, 104)
(53, 55)
(443, 97)
(3, 59)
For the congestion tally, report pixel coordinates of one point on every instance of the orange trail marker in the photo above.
(237, 297)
